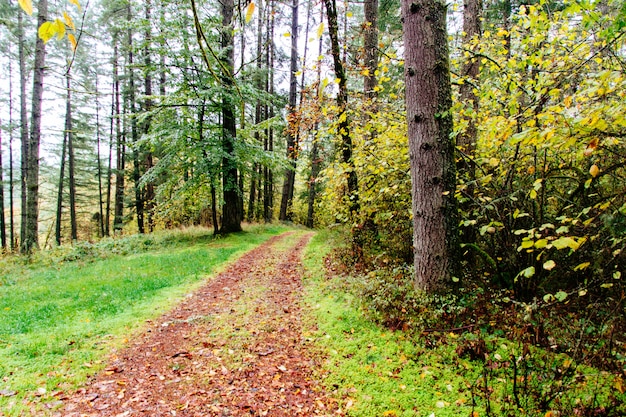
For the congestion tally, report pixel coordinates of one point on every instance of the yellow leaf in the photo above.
(594, 170)
(60, 29)
(548, 265)
(320, 30)
(72, 40)
(47, 31)
(582, 266)
(250, 12)
(75, 3)
(27, 6)
(68, 21)
(619, 385)
(287, 35)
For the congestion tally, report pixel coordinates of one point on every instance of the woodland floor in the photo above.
(235, 347)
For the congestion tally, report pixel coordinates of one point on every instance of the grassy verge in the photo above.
(60, 315)
(377, 372)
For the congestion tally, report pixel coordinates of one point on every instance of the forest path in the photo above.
(235, 347)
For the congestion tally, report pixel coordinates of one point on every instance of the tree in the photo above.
(3, 230)
(343, 124)
(30, 240)
(292, 145)
(231, 216)
(428, 102)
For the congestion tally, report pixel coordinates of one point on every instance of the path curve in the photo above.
(235, 347)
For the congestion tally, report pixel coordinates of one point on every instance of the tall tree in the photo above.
(343, 126)
(120, 145)
(71, 163)
(3, 230)
(292, 146)
(30, 240)
(21, 41)
(148, 104)
(431, 148)
(471, 29)
(370, 46)
(231, 216)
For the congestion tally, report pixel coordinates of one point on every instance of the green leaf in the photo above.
(565, 242)
(560, 296)
(549, 265)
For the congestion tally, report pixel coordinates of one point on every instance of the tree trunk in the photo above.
(101, 229)
(132, 103)
(59, 216)
(31, 240)
(149, 194)
(268, 175)
(118, 219)
(431, 149)
(71, 164)
(292, 118)
(467, 140)
(3, 230)
(23, 124)
(343, 127)
(370, 45)
(231, 220)
(315, 162)
(11, 200)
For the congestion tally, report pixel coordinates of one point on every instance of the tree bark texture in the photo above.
(71, 161)
(120, 148)
(31, 238)
(431, 149)
(3, 230)
(23, 122)
(370, 45)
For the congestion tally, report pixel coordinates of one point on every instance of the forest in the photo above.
(467, 157)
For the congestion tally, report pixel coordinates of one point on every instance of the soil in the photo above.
(235, 347)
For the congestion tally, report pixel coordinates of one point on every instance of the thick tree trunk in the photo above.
(343, 127)
(431, 149)
(231, 218)
(31, 240)
(292, 118)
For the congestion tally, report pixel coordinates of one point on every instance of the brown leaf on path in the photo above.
(249, 359)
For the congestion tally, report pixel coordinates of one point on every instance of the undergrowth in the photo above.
(392, 351)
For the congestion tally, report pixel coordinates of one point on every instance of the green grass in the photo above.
(377, 372)
(60, 315)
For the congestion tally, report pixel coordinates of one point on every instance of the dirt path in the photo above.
(233, 348)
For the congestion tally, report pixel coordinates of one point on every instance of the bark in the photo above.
(132, 103)
(71, 161)
(467, 140)
(11, 200)
(59, 216)
(31, 236)
(231, 218)
(23, 123)
(268, 175)
(3, 230)
(101, 227)
(292, 118)
(370, 44)
(315, 161)
(149, 193)
(431, 149)
(118, 220)
(343, 127)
